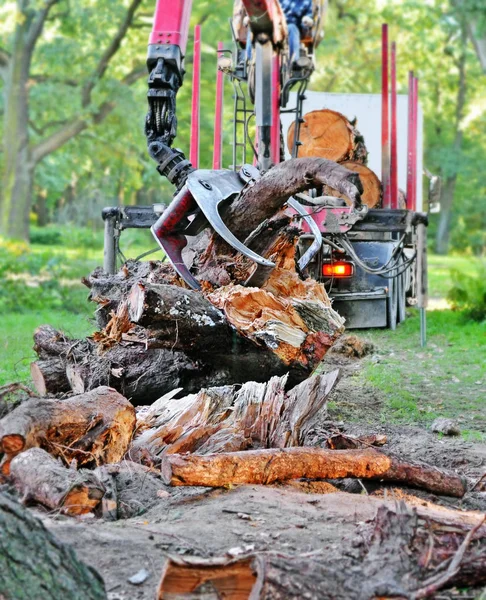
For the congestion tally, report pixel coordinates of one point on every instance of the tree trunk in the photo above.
(445, 217)
(269, 466)
(447, 197)
(18, 172)
(41, 210)
(34, 564)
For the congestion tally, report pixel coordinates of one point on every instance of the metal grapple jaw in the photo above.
(195, 206)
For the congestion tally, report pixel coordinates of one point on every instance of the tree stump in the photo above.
(34, 564)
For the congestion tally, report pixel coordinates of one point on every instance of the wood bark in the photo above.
(91, 428)
(449, 186)
(329, 134)
(272, 465)
(139, 369)
(372, 191)
(267, 196)
(34, 564)
(392, 558)
(41, 479)
(229, 418)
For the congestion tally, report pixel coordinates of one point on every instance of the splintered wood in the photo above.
(230, 418)
(95, 427)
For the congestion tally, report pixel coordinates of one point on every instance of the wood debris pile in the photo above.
(215, 388)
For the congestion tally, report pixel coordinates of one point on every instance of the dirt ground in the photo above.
(213, 522)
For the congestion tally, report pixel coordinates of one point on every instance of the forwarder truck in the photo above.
(371, 260)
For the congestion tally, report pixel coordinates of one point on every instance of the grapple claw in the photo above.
(201, 196)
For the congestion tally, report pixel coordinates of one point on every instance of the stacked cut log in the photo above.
(329, 134)
(247, 323)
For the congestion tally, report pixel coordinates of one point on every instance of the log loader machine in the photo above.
(370, 260)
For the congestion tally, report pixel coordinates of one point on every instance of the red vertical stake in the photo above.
(410, 142)
(415, 140)
(218, 117)
(275, 135)
(196, 93)
(385, 120)
(394, 132)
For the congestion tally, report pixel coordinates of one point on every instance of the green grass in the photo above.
(418, 384)
(16, 342)
(35, 301)
(439, 272)
(446, 378)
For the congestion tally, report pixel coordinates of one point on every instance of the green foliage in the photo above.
(107, 164)
(468, 293)
(45, 236)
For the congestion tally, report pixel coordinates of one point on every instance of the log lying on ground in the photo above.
(328, 134)
(272, 465)
(34, 564)
(42, 479)
(91, 428)
(392, 558)
(138, 371)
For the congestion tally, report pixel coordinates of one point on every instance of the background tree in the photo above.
(108, 164)
(74, 70)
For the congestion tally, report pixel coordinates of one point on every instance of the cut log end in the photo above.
(372, 192)
(328, 134)
(12, 443)
(42, 479)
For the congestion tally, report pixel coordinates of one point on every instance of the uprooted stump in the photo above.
(246, 324)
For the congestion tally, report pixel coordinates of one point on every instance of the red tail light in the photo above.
(338, 269)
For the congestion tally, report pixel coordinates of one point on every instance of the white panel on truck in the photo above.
(367, 109)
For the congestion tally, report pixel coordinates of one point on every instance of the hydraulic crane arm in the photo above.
(167, 46)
